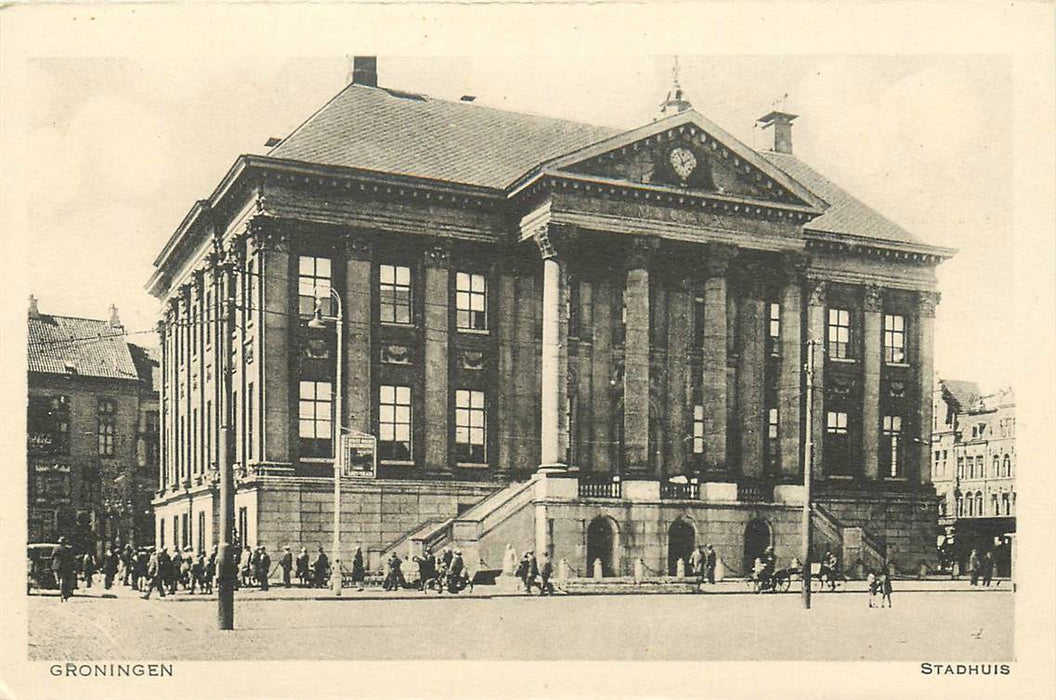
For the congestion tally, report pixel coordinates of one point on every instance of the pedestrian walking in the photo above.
(210, 572)
(394, 578)
(263, 567)
(426, 569)
(245, 565)
(710, 559)
(156, 574)
(696, 563)
(165, 570)
(359, 573)
(988, 567)
(533, 572)
(973, 567)
(885, 590)
(286, 564)
(873, 589)
(304, 577)
(64, 566)
(88, 568)
(110, 564)
(128, 561)
(546, 570)
(320, 568)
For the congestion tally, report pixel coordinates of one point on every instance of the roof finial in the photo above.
(674, 102)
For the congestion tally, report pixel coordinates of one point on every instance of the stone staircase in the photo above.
(855, 544)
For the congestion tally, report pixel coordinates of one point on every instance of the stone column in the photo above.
(187, 448)
(751, 370)
(873, 305)
(505, 394)
(273, 337)
(636, 359)
(925, 372)
(164, 388)
(790, 382)
(602, 379)
(585, 376)
(713, 382)
(679, 388)
(550, 365)
(356, 305)
(437, 359)
(816, 334)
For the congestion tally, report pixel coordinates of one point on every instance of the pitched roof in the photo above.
(963, 393)
(92, 348)
(401, 133)
(846, 214)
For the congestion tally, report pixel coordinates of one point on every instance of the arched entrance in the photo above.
(601, 544)
(756, 539)
(681, 539)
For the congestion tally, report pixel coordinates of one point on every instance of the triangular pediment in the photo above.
(689, 153)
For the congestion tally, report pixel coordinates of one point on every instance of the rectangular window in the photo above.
(252, 287)
(209, 460)
(773, 446)
(201, 531)
(836, 453)
(195, 445)
(48, 425)
(313, 282)
(892, 430)
(106, 427)
(176, 531)
(315, 415)
(894, 338)
(572, 308)
(470, 426)
(960, 467)
(698, 430)
(185, 535)
(471, 294)
(243, 525)
(839, 333)
(394, 292)
(394, 423)
(209, 315)
(775, 320)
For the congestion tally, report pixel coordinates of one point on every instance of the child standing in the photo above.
(873, 588)
(885, 590)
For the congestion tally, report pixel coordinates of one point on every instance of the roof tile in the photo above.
(59, 344)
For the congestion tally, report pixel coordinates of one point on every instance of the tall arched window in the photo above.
(979, 504)
(1008, 466)
(960, 507)
(970, 505)
(997, 466)
(1013, 501)
(1006, 504)
(993, 504)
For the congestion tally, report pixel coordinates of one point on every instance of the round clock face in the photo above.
(683, 162)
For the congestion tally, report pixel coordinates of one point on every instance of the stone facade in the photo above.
(609, 311)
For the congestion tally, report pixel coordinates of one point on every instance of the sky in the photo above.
(123, 146)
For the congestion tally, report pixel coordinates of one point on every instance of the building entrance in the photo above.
(601, 544)
(681, 539)
(756, 539)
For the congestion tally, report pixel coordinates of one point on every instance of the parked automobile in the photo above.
(39, 574)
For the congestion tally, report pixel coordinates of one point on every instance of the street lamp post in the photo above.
(320, 321)
(808, 459)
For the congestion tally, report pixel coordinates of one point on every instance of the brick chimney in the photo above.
(782, 125)
(34, 312)
(365, 70)
(114, 321)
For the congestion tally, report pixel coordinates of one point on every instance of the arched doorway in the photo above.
(756, 540)
(681, 539)
(601, 544)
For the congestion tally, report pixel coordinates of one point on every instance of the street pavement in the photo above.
(928, 622)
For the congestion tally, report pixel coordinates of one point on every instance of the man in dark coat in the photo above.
(139, 570)
(110, 561)
(709, 563)
(545, 572)
(320, 567)
(426, 569)
(173, 563)
(128, 560)
(973, 567)
(165, 571)
(304, 577)
(263, 567)
(988, 567)
(286, 564)
(64, 565)
(88, 568)
(359, 574)
(455, 572)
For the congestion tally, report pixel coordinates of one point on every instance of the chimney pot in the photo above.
(34, 312)
(115, 320)
(782, 124)
(365, 70)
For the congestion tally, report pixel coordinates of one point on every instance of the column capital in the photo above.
(873, 298)
(549, 236)
(817, 289)
(718, 257)
(358, 245)
(926, 303)
(235, 249)
(266, 234)
(172, 308)
(641, 250)
(438, 254)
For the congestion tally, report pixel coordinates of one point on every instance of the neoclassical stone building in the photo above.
(519, 291)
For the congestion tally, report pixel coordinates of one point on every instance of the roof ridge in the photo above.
(72, 318)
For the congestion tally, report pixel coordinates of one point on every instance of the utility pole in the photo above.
(225, 327)
(808, 460)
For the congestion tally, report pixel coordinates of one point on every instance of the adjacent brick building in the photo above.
(520, 290)
(974, 469)
(92, 432)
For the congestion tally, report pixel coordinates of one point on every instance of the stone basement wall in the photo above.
(299, 511)
(642, 531)
(908, 525)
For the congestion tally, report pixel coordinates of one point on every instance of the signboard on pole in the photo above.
(359, 455)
